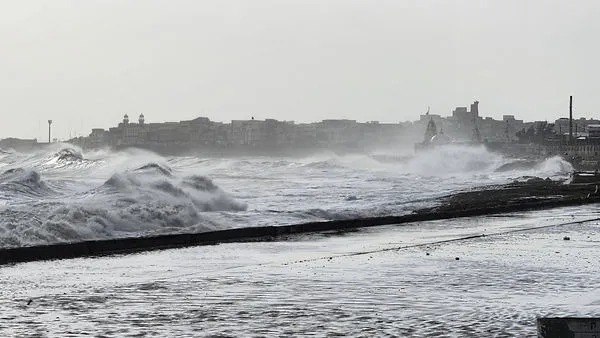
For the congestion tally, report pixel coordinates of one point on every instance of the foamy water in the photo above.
(381, 281)
(65, 195)
(400, 281)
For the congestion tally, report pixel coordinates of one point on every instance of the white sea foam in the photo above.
(65, 194)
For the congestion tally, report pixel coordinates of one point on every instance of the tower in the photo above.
(475, 109)
(126, 119)
(141, 119)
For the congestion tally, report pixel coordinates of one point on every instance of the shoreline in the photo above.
(500, 199)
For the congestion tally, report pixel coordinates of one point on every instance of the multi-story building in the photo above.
(201, 132)
(338, 132)
(305, 135)
(248, 132)
(164, 133)
(98, 138)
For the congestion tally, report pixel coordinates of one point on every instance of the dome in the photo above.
(440, 139)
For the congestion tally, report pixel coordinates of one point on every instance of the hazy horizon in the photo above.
(84, 64)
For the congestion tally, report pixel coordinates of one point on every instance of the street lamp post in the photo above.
(49, 130)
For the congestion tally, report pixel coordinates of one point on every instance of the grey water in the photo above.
(65, 194)
(384, 281)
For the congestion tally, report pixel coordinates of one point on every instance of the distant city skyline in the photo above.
(74, 132)
(84, 64)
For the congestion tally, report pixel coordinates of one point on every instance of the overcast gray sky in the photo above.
(85, 63)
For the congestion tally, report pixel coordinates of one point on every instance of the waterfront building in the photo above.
(98, 138)
(132, 133)
(247, 132)
(337, 132)
(202, 133)
(594, 132)
(18, 144)
(462, 114)
(167, 133)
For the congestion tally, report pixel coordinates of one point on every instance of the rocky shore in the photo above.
(533, 194)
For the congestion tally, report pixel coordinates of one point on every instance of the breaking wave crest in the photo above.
(149, 199)
(326, 164)
(69, 154)
(554, 166)
(157, 168)
(157, 183)
(25, 183)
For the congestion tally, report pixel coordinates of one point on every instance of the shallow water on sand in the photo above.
(383, 281)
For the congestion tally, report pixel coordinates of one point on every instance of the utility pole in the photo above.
(570, 119)
(49, 131)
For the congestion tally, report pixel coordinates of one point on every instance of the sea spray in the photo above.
(554, 166)
(64, 194)
(453, 159)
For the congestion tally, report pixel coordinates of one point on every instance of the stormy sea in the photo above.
(423, 279)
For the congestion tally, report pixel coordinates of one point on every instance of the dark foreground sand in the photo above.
(535, 193)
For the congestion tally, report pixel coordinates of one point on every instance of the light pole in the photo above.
(49, 130)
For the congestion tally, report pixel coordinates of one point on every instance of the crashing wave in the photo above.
(554, 166)
(452, 159)
(200, 183)
(327, 164)
(127, 204)
(23, 182)
(155, 167)
(198, 191)
(69, 154)
(517, 165)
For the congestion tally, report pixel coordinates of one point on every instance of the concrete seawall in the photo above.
(265, 233)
